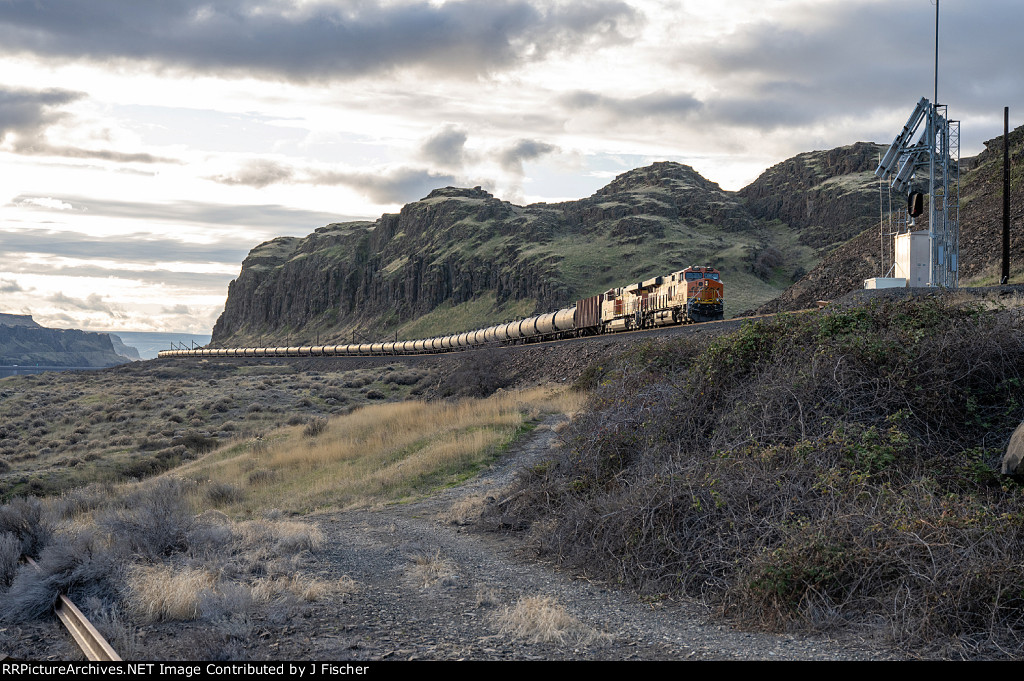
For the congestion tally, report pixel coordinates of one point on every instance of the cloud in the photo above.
(314, 40)
(816, 72)
(184, 280)
(398, 185)
(653, 105)
(27, 113)
(511, 158)
(259, 174)
(177, 309)
(11, 286)
(43, 203)
(394, 185)
(141, 248)
(814, 62)
(91, 303)
(445, 147)
(274, 217)
(43, 149)
(25, 116)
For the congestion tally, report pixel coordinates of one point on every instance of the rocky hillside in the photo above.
(827, 196)
(18, 320)
(126, 351)
(981, 212)
(981, 220)
(460, 258)
(23, 342)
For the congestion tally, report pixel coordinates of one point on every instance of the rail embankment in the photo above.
(816, 471)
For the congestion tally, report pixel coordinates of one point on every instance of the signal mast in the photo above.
(924, 258)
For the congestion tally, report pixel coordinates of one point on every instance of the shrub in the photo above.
(82, 566)
(196, 442)
(809, 470)
(10, 554)
(315, 427)
(480, 374)
(403, 377)
(24, 518)
(222, 493)
(155, 521)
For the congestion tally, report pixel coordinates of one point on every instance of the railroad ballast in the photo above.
(695, 294)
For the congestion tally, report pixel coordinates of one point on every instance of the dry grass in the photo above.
(487, 596)
(346, 585)
(541, 619)
(466, 510)
(286, 536)
(119, 631)
(992, 299)
(161, 592)
(380, 453)
(308, 589)
(428, 569)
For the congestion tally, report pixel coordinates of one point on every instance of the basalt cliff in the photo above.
(460, 258)
(23, 343)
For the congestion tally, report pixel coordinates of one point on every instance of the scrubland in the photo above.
(831, 471)
(59, 431)
(816, 472)
(224, 537)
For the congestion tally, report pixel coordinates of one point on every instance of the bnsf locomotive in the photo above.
(691, 295)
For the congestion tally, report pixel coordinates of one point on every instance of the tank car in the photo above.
(695, 294)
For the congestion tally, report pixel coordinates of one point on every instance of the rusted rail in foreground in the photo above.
(85, 634)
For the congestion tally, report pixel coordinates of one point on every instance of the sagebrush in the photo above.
(811, 470)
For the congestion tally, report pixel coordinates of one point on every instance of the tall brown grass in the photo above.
(542, 619)
(163, 592)
(380, 453)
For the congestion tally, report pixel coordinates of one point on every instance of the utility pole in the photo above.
(935, 99)
(933, 115)
(1006, 196)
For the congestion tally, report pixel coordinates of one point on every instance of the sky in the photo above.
(146, 147)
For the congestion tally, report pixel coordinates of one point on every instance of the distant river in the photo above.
(21, 371)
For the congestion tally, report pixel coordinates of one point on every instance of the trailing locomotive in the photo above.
(695, 294)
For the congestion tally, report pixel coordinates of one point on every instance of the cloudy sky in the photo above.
(145, 147)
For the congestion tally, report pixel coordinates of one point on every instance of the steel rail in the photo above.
(88, 638)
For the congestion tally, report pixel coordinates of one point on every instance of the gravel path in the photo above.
(430, 588)
(427, 585)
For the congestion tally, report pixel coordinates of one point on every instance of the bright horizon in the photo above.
(145, 148)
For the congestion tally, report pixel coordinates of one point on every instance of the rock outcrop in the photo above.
(460, 258)
(126, 351)
(23, 342)
(827, 196)
(981, 201)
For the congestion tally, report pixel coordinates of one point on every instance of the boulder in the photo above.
(1013, 460)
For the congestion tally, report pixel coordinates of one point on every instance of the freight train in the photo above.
(695, 294)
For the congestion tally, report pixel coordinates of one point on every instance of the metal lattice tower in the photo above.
(936, 157)
(944, 204)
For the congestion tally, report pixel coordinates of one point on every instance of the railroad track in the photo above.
(382, 351)
(88, 638)
(533, 343)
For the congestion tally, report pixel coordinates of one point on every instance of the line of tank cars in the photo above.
(691, 295)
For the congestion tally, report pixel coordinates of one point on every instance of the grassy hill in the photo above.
(459, 259)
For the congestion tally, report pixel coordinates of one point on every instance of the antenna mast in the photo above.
(935, 98)
(938, 151)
